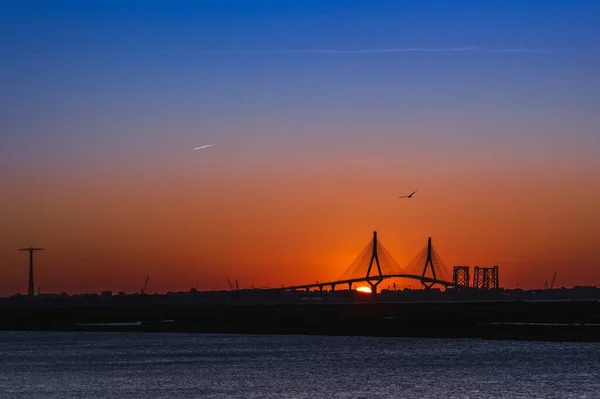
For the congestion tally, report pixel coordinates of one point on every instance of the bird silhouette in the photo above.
(409, 195)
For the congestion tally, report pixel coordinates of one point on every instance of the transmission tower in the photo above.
(486, 277)
(31, 250)
(460, 276)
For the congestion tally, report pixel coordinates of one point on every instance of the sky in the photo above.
(320, 115)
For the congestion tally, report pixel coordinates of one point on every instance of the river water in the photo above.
(142, 365)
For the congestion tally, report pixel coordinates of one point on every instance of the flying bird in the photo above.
(201, 147)
(409, 195)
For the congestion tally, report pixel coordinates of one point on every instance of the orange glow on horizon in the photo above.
(363, 289)
(187, 230)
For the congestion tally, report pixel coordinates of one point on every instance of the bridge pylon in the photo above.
(372, 264)
(374, 258)
(428, 264)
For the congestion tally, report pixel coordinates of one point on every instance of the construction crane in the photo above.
(143, 292)
(551, 284)
(553, 280)
(237, 287)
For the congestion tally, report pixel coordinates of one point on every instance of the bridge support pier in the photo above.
(427, 286)
(374, 286)
(332, 287)
(350, 286)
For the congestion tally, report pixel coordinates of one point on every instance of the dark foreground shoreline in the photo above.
(514, 320)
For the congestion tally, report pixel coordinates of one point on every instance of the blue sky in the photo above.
(81, 74)
(131, 76)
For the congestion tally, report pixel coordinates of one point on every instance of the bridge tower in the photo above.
(372, 264)
(428, 263)
(374, 258)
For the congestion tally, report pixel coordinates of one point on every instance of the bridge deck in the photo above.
(374, 279)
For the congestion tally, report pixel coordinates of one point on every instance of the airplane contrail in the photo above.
(201, 147)
(356, 51)
(371, 51)
(367, 51)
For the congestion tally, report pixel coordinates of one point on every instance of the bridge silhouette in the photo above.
(375, 264)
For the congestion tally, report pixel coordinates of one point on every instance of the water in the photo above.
(137, 365)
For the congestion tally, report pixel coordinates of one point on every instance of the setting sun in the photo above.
(363, 289)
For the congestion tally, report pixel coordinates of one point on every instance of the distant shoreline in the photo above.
(515, 320)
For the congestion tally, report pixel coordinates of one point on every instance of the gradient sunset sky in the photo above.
(321, 113)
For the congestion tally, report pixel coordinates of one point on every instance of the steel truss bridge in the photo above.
(375, 264)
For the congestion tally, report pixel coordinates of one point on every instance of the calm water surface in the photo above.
(133, 365)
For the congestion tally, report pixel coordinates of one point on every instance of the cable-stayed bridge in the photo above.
(375, 264)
